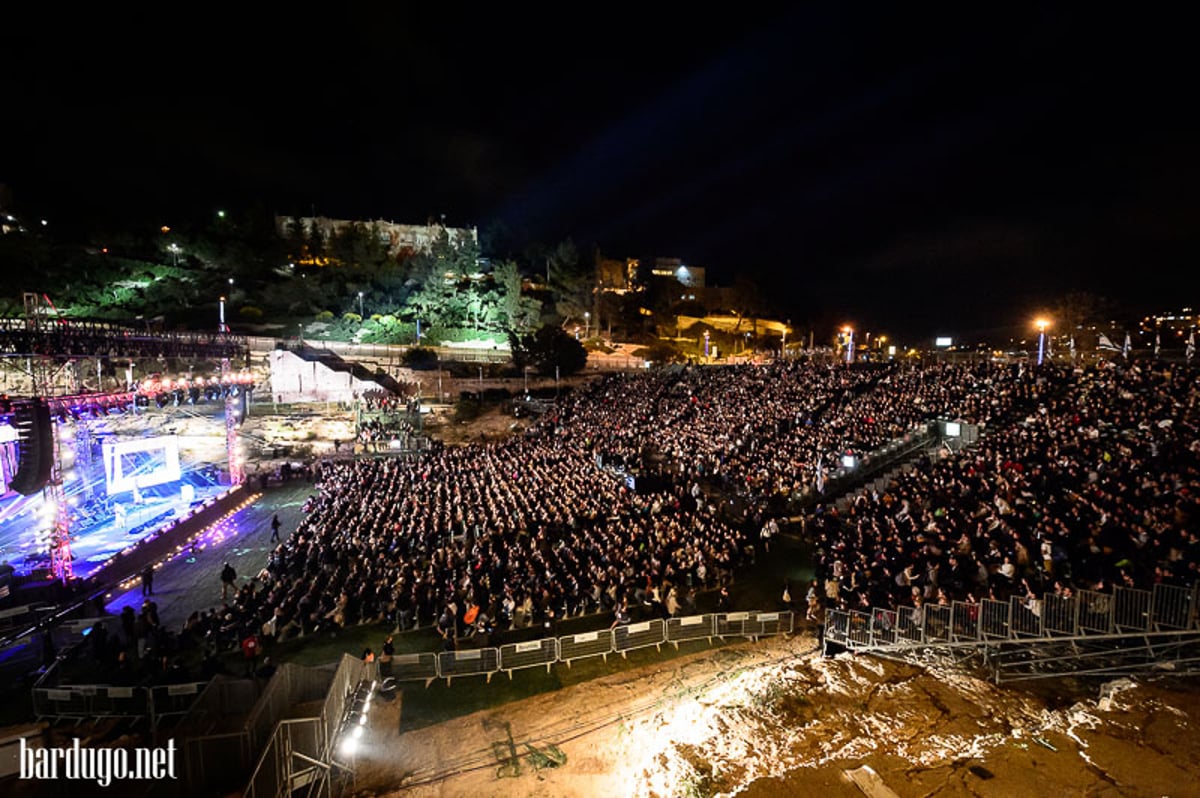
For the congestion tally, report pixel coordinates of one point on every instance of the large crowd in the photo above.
(1084, 478)
(1095, 485)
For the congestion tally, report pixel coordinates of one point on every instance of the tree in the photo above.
(517, 311)
(550, 349)
(1075, 311)
(570, 284)
(421, 359)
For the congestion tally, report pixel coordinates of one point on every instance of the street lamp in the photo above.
(1041, 324)
(587, 325)
(849, 331)
(174, 249)
(360, 304)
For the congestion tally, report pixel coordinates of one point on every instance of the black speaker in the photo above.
(35, 446)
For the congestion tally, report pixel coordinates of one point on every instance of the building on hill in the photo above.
(398, 237)
(689, 276)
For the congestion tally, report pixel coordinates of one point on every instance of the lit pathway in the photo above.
(190, 582)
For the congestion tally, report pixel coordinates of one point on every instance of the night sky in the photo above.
(951, 174)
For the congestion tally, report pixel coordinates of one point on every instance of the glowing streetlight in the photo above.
(174, 249)
(587, 325)
(849, 332)
(360, 304)
(1041, 324)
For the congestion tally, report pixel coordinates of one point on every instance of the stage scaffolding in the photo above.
(50, 351)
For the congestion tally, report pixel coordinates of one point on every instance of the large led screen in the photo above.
(141, 464)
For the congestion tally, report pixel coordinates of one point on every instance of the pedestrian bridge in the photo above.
(1124, 632)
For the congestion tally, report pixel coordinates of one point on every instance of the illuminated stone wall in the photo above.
(294, 379)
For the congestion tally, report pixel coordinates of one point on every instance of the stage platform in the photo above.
(102, 531)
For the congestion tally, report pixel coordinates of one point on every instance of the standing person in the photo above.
(275, 528)
(148, 580)
(769, 530)
(250, 648)
(724, 603)
(385, 657)
(228, 577)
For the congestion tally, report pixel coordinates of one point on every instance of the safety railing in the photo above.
(472, 662)
(546, 652)
(530, 654)
(1087, 613)
(585, 644)
(628, 637)
(95, 701)
(411, 668)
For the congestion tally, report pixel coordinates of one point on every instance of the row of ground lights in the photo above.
(219, 531)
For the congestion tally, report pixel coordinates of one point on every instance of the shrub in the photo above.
(421, 359)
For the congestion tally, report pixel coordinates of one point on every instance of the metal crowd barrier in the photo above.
(1133, 610)
(91, 701)
(530, 654)
(996, 620)
(15, 618)
(545, 652)
(472, 662)
(626, 638)
(172, 699)
(412, 668)
(937, 623)
(966, 621)
(1095, 612)
(1173, 607)
(1060, 614)
(586, 644)
(690, 627)
(1087, 613)
(1026, 619)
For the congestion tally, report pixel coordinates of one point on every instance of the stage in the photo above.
(123, 478)
(105, 528)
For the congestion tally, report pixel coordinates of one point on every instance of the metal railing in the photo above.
(97, 701)
(299, 752)
(545, 652)
(1088, 614)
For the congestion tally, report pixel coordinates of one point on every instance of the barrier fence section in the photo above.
(90, 701)
(530, 654)
(545, 652)
(1133, 609)
(1059, 614)
(966, 621)
(172, 700)
(1173, 607)
(628, 637)
(1086, 613)
(691, 627)
(14, 618)
(411, 668)
(472, 662)
(216, 762)
(585, 644)
(1095, 612)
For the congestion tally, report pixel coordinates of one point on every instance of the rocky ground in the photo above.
(774, 718)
